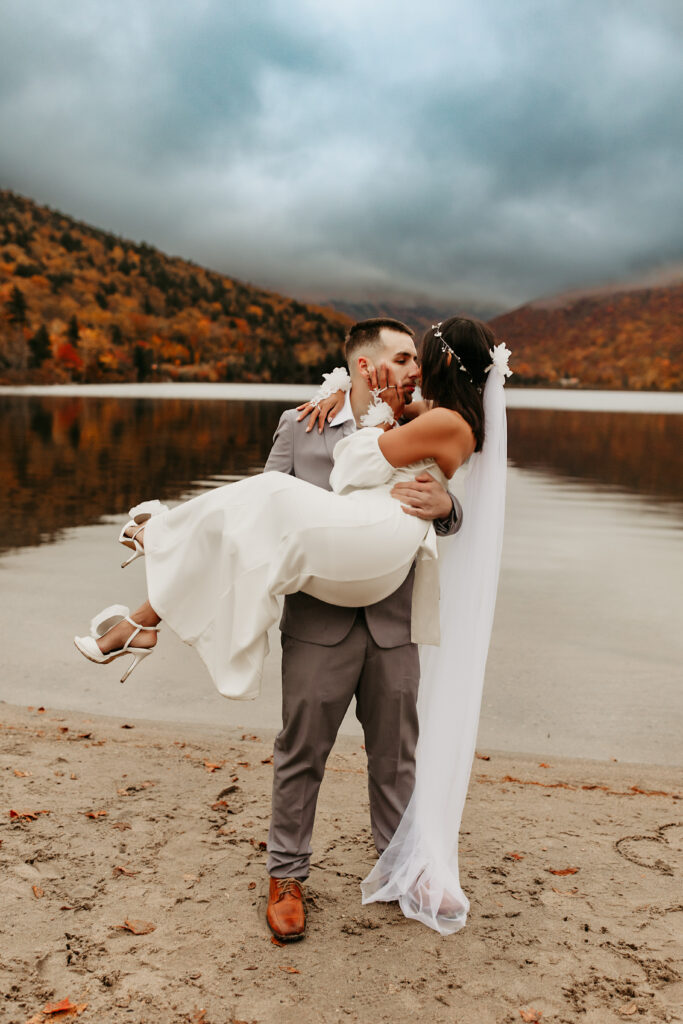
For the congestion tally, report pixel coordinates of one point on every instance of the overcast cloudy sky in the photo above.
(487, 151)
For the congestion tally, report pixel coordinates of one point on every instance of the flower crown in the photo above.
(500, 356)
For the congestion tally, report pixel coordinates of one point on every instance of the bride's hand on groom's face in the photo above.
(380, 380)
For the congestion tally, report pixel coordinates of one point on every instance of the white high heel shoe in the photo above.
(139, 515)
(100, 625)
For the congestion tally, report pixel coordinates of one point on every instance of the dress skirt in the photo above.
(217, 563)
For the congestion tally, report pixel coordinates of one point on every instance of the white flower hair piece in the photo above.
(336, 380)
(378, 413)
(500, 356)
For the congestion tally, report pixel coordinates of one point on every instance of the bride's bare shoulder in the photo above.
(447, 420)
(439, 434)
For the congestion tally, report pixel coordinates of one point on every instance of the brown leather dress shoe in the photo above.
(286, 913)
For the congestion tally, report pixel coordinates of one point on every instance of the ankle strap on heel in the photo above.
(139, 626)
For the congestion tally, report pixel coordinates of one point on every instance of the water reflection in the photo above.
(638, 453)
(69, 461)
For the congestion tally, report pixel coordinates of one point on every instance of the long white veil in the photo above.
(419, 868)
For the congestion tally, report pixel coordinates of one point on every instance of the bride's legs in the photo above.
(116, 637)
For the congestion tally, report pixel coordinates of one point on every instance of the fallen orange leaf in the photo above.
(121, 825)
(26, 815)
(22, 775)
(267, 760)
(120, 870)
(483, 757)
(530, 1015)
(211, 767)
(129, 790)
(631, 791)
(137, 927)
(66, 1007)
(290, 970)
(515, 856)
(563, 871)
(96, 814)
(37, 891)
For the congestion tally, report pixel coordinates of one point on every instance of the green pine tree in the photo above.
(39, 347)
(16, 306)
(73, 331)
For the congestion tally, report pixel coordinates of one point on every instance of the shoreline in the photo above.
(516, 398)
(572, 868)
(545, 694)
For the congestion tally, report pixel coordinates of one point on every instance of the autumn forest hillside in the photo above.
(80, 304)
(630, 338)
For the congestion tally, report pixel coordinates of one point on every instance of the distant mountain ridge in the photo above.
(419, 316)
(77, 303)
(623, 336)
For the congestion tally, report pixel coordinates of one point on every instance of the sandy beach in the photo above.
(134, 886)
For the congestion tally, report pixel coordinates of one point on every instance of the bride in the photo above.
(216, 564)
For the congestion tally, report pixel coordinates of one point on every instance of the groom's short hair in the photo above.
(366, 334)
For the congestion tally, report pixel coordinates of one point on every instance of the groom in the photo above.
(331, 654)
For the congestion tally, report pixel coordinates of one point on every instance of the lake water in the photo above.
(587, 647)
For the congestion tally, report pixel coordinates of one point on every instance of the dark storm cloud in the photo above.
(490, 152)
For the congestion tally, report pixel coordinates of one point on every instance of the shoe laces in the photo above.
(289, 887)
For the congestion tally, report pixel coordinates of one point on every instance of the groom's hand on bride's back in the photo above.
(423, 497)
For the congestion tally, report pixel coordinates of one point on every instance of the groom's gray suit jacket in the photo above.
(308, 455)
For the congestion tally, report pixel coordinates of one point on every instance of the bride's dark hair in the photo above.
(457, 381)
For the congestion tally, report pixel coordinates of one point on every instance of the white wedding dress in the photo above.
(216, 564)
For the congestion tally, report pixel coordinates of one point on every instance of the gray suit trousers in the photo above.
(318, 683)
